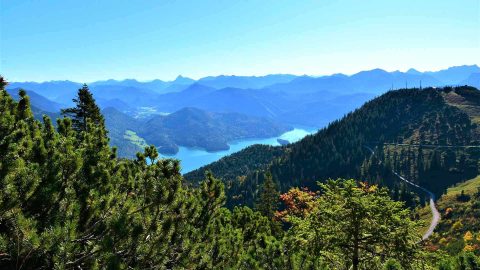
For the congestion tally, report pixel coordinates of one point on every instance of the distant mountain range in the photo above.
(284, 99)
(245, 82)
(39, 105)
(37, 100)
(158, 86)
(374, 81)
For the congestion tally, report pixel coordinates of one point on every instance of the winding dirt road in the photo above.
(433, 208)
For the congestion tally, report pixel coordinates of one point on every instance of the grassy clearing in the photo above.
(449, 199)
(460, 214)
(469, 187)
(135, 139)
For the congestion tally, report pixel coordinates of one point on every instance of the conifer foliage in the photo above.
(85, 109)
(269, 197)
(67, 202)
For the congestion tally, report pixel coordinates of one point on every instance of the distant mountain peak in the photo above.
(338, 75)
(130, 80)
(183, 80)
(377, 71)
(413, 71)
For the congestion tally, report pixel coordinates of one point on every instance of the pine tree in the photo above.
(268, 200)
(358, 224)
(85, 109)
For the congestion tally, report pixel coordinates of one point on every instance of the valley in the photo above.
(267, 105)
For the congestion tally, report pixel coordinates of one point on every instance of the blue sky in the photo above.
(93, 40)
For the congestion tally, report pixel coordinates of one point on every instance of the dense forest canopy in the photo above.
(402, 126)
(68, 202)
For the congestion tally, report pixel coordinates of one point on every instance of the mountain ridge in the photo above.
(338, 150)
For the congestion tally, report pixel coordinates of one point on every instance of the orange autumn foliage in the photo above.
(298, 203)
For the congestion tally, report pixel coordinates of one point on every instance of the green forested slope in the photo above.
(407, 116)
(68, 202)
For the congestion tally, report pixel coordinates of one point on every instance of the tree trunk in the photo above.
(356, 244)
(355, 259)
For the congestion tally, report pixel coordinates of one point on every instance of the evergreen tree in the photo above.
(85, 109)
(268, 200)
(357, 225)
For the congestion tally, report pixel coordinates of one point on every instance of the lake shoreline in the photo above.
(194, 158)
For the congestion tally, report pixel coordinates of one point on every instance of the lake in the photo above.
(194, 158)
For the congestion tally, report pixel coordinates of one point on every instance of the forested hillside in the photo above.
(192, 127)
(189, 127)
(68, 202)
(402, 125)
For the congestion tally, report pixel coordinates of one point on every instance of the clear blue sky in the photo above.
(92, 40)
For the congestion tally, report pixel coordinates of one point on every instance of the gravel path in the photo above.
(433, 208)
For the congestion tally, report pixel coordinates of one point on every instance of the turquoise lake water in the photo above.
(192, 158)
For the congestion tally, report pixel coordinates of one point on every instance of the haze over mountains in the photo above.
(281, 100)
(372, 81)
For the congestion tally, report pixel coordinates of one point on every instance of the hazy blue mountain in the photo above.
(38, 101)
(177, 100)
(472, 80)
(372, 81)
(413, 71)
(314, 109)
(126, 82)
(296, 102)
(114, 103)
(158, 86)
(39, 113)
(247, 101)
(246, 82)
(376, 81)
(182, 80)
(379, 80)
(59, 91)
(285, 98)
(454, 75)
(134, 97)
(321, 112)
